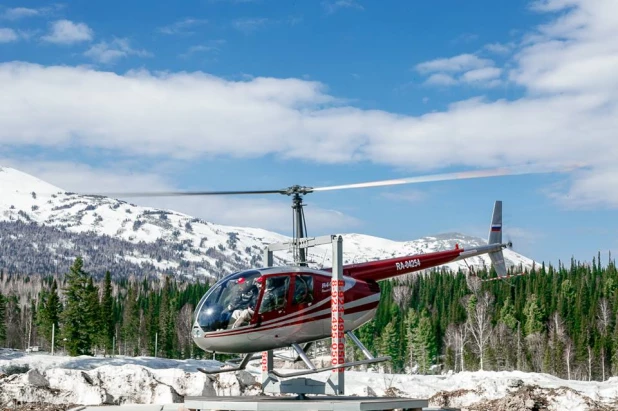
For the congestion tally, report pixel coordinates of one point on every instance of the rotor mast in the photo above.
(300, 229)
(299, 225)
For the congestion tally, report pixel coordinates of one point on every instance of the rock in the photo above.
(245, 379)
(369, 392)
(515, 383)
(36, 379)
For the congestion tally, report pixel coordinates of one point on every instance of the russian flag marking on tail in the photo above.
(496, 227)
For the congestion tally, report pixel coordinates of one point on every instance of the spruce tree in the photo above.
(130, 321)
(48, 316)
(107, 319)
(389, 346)
(424, 343)
(76, 318)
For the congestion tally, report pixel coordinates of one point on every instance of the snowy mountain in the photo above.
(43, 228)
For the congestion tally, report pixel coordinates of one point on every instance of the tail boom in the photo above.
(394, 267)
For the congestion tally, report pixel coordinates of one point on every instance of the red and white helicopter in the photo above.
(269, 308)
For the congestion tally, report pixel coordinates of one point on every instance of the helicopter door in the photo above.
(275, 298)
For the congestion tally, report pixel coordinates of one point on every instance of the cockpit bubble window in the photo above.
(235, 294)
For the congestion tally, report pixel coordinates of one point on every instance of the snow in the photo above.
(145, 380)
(53, 206)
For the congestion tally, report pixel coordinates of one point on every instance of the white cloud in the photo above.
(472, 70)
(481, 75)
(332, 6)
(20, 12)
(267, 213)
(249, 25)
(184, 26)
(108, 53)
(8, 35)
(210, 46)
(592, 189)
(455, 64)
(441, 79)
(499, 48)
(568, 112)
(67, 32)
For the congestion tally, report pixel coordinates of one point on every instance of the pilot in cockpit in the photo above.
(243, 305)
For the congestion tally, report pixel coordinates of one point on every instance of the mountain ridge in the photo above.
(47, 227)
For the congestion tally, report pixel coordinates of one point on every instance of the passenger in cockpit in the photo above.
(243, 305)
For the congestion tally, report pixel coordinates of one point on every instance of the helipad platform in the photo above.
(267, 403)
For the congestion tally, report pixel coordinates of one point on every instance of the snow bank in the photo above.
(143, 380)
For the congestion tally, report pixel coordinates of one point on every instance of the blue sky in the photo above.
(260, 94)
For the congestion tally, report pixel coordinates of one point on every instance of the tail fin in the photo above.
(495, 237)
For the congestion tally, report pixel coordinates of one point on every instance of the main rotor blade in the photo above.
(185, 193)
(439, 177)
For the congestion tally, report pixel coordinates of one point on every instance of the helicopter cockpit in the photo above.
(230, 303)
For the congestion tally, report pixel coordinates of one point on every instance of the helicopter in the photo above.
(269, 308)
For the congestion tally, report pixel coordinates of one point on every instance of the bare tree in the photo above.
(536, 347)
(401, 296)
(478, 323)
(556, 336)
(456, 337)
(474, 283)
(604, 314)
(590, 357)
(568, 355)
(183, 327)
(503, 343)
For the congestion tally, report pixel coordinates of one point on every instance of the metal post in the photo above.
(156, 343)
(268, 364)
(267, 356)
(53, 337)
(268, 257)
(336, 379)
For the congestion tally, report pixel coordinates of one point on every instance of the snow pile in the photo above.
(143, 380)
(95, 381)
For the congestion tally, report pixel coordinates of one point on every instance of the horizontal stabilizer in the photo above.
(497, 259)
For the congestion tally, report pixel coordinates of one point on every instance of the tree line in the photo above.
(556, 320)
(83, 316)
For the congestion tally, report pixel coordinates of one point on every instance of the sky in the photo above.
(110, 96)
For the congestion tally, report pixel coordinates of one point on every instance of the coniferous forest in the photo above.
(557, 320)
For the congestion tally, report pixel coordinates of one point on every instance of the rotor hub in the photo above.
(297, 189)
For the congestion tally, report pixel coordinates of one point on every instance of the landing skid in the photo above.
(231, 365)
(240, 364)
(370, 359)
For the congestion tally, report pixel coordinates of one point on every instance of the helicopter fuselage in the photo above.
(293, 304)
(303, 315)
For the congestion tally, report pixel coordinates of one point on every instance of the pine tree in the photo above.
(388, 344)
(48, 316)
(534, 316)
(76, 318)
(424, 343)
(107, 319)
(130, 321)
(92, 312)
